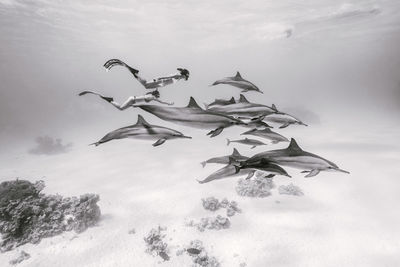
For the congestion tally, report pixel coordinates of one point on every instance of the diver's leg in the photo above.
(128, 103)
(162, 102)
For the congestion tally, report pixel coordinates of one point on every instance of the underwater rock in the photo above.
(155, 244)
(27, 215)
(290, 189)
(257, 187)
(21, 257)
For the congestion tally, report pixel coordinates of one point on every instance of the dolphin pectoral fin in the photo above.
(312, 173)
(284, 125)
(253, 147)
(160, 142)
(305, 171)
(269, 176)
(216, 132)
(251, 174)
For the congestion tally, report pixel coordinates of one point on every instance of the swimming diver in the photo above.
(154, 83)
(132, 100)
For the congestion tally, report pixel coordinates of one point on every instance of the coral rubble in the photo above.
(290, 189)
(155, 244)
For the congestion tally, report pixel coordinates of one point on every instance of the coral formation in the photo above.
(21, 257)
(290, 189)
(27, 215)
(199, 255)
(49, 146)
(257, 187)
(210, 223)
(213, 204)
(155, 244)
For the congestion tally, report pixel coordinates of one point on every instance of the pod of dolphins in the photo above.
(224, 113)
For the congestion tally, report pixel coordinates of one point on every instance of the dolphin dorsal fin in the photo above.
(141, 120)
(235, 152)
(243, 99)
(238, 75)
(274, 107)
(193, 103)
(232, 100)
(294, 146)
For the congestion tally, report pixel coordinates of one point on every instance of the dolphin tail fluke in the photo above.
(203, 163)
(228, 141)
(215, 132)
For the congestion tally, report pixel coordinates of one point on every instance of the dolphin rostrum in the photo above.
(267, 167)
(267, 134)
(294, 156)
(282, 118)
(193, 116)
(246, 141)
(244, 109)
(225, 159)
(220, 102)
(143, 130)
(239, 82)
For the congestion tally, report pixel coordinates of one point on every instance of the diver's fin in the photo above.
(216, 132)
(160, 142)
(274, 107)
(243, 99)
(269, 175)
(251, 174)
(238, 75)
(193, 103)
(312, 173)
(284, 125)
(294, 146)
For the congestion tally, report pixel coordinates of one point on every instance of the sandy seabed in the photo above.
(342, 220)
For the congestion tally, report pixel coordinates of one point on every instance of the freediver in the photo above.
(132, 100)
(154, 83)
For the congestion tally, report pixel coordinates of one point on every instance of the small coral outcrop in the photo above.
(155, 243)
(213, 204)
(257, 187)
(290, 189)
(27, 215)
(199, 255)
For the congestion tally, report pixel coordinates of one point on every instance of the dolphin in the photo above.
(244, 109)
(282, 118)
(143, 130)
(294, 156)
(225, 172)
(220, 102)
(193, 116)
(239, 82)
(267, 167)
(267, 134)
(225, 159)
(247, 141)
(257, 123)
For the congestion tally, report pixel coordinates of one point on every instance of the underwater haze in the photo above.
(333, 64)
